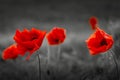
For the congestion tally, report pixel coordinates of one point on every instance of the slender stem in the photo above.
(115, 62)
(59, 54)
(48, 62)
(48, 55)
(39, 67)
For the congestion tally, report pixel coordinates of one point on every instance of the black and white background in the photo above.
(75, 62)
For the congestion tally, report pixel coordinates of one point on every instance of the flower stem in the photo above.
(53, 54)
(53, 58)
(58, 53)
(115, 62)
(48, 55)
(49, 61)
(39, 67)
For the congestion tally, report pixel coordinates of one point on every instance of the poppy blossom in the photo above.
(99, 42)
(29, 40)
(56, 36)
(10, 53)
(93, 22)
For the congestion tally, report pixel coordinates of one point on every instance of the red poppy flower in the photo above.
(29, 40)
(93, 22)
(99, 42)
(10, 53)
(56, 36)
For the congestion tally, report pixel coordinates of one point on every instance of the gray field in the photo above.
(73, 61)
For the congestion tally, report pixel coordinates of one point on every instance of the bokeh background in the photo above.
(75, 62)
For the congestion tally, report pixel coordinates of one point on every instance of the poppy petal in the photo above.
(10, 53)
(93, 22)
(99, 42)
(56, 36)
(29, 40)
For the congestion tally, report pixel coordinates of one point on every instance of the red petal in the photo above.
(94, 42)
(10, 53)
(29, 40)
(93, 22)
(56, 36)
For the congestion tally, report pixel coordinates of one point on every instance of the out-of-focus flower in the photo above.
(56, 36)
(99, 41)
(93, 22)
(10, 53)
(29, 40)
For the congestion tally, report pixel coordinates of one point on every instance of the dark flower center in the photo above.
(103, 42)
(34, 37)
(56, 40)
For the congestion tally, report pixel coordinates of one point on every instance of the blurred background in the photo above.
(75, 61)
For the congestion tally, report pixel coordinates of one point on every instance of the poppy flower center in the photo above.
(34, 37)
(57, 40)
(103, 42)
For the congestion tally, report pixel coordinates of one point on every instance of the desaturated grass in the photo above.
(75, 63)
(70, 67)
